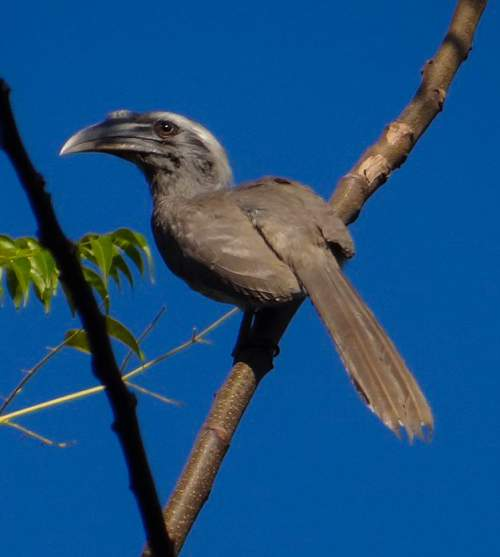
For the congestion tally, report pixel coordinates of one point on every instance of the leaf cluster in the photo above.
(26, 266)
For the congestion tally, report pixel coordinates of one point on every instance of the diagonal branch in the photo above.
(104, 364)
(353, 190)
(397, 140)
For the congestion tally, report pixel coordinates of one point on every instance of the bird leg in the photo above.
(261, 331)
(244, 333)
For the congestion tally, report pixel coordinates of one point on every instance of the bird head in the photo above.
(175, 153)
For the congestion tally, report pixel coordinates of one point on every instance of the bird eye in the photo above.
(165, 128)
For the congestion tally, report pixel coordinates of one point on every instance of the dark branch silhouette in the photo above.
(104, 365)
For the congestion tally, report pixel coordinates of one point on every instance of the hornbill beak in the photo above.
(121, 133)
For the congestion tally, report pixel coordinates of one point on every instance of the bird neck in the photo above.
(176, 183)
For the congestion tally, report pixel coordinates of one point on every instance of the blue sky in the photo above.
(297, 90)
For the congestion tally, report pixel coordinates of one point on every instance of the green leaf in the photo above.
(18, 281)
(102, 246)
(115, 275)
(77, 338)
(52, 269)
(95, 280)
(7, 250)
(85, 249)
(13, 288)
(120, 265)
(135, 255)
(6, 244)
(38, 282)
(25, 262)
(118, 331)
(133, 243)
(140, 240)
(45, 276)
(26, 242)
(86, 253)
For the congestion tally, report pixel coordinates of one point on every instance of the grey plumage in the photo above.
(269, 242)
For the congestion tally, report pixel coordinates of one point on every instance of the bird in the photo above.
(266, 243)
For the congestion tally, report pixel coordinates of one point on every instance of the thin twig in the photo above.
(53, 351)
(142, 337)
(127, 377)
(152, 394)
(104, 364)
(198, 338)
(195, 483)
(50, 403)
(32, 372)
(37, 436)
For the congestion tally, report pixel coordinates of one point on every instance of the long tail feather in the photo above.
(371, 359)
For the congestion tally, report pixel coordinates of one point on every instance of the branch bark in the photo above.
(353, 190)
(397, 140)
(105, 368)
(251, 363)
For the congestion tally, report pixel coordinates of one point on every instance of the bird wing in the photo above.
(221, 254)
(298, 227)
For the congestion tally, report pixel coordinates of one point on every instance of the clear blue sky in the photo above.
(295, 89)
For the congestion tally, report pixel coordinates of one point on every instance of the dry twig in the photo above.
(198, 338)
(32, 372)
(142, 337)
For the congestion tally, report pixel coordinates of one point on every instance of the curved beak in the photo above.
(117, 136)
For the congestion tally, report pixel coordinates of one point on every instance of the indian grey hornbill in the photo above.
(272, 241)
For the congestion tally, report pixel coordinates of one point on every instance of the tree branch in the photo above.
(397, 140)
(104, 364)
(353, 190)
(250, 365)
